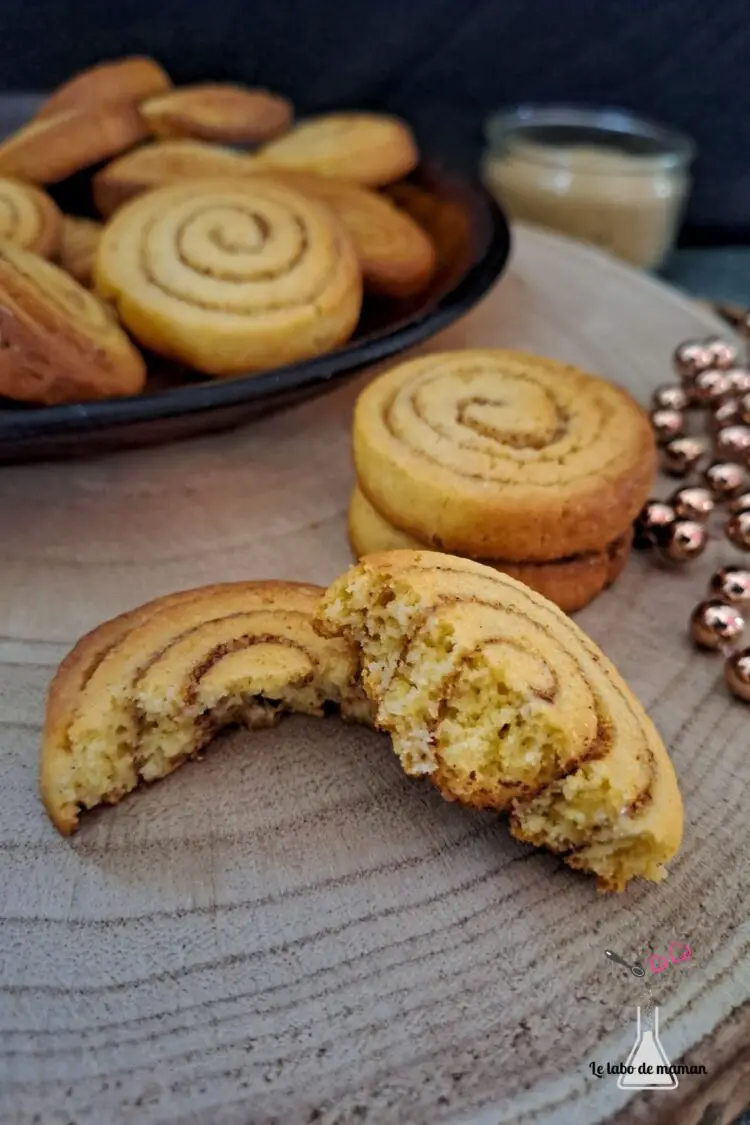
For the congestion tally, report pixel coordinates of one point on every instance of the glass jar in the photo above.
(601, 176)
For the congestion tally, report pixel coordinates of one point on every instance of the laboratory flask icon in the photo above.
(648, 1067)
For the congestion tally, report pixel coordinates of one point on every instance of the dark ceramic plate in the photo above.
(473, 246)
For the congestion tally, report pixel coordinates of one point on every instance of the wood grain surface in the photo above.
(290, 930)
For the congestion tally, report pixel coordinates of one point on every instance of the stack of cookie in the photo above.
(526, 464)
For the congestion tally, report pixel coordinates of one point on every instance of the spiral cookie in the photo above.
(369, 148)
(496, 696)
(217, 111)
(58, 342)
(52, 147)
(501, 455)
(396, 255)
(231, 277)
(29, 218)
(570, 583)
(142, 693)
(162, 163)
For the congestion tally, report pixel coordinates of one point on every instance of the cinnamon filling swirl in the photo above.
(532, 434)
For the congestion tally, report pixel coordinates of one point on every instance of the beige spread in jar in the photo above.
(628, 203)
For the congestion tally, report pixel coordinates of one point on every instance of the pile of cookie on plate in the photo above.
(232, 240)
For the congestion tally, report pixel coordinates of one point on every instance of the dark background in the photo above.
(443, 64)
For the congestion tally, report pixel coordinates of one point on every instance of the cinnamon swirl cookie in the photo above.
(161, 163)
(142, 693)
(369, 148)
(29, 218)
(570, 583)
(52, 147)
(217, 111)
(231, 277)
(58, 343)
(396, 255)
(498, 697)
(500, 455)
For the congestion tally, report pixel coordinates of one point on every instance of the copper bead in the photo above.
(727, 413)
(723, 354)
(691, 357)
(740, 503)
(652, 523)
(685, 540)
(714, 623)
(738, 380)
(670, 396)
(708, 387)
(692, 503)
(737, 674)
(737, 530)
(731, 584)
(681, 455)
(667, 424)
(733, 443)
(724, 478)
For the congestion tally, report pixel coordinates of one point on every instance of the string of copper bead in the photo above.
(716, 384)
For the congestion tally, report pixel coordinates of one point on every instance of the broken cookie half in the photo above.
(504, 703)
(142, 693)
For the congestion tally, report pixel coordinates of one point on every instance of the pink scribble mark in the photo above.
(685, 952)
(678, 951)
